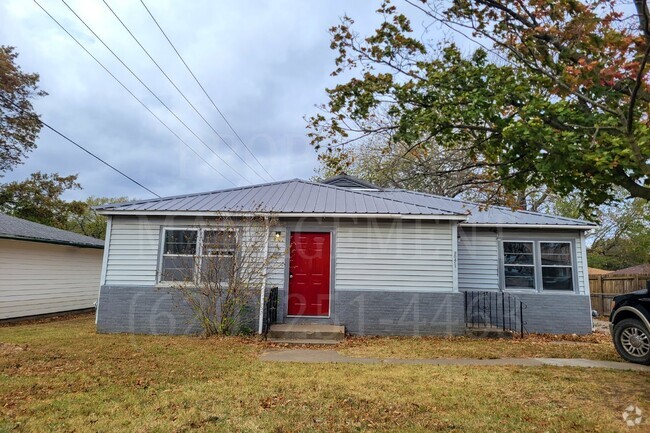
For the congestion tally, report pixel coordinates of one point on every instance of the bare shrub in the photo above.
(220, 269)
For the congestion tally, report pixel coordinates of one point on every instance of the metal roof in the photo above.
(20, 229)
(481, 215)
(345, 181)
(286, 197)
(340, 195)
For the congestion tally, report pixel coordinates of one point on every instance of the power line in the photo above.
(446, 24)
(134, 96)
(204, 91)
(153, 93)
(181, 92)
(51, 128)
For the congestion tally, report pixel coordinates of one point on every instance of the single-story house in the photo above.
(377, 261)
(46, 270)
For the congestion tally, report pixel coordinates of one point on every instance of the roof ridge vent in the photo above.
(350, 182)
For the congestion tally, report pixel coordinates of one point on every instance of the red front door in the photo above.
(309, 274)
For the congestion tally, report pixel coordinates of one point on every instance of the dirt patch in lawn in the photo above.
(7, 348)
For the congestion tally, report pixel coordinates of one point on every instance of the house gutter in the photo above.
(531, 226)
(285, 215)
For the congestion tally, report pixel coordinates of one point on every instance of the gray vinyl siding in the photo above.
(133, 251)
(276, 269)
(394, 256)
(478, 255)
(369, 255)
(478, 259)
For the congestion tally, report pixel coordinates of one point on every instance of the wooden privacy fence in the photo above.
(604, 287)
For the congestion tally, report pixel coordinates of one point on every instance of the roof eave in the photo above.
(532, 226)
(283, 214)
(50, 241)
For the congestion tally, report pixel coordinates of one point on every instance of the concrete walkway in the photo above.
(322, 355)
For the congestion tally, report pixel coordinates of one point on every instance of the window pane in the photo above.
(215, 268)
(556, 253)
(556, 259)
(556, 278)
(219, 242)
(518, 253)
(518, 247)
(180, 242)
(520, 277)
(555, 247)
(177, 268)
(518, 259)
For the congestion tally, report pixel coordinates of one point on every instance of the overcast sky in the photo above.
(265, 64)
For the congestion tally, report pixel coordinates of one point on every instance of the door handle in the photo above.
(290, 275)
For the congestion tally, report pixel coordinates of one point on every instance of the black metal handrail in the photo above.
(270, 310)
(503, 310)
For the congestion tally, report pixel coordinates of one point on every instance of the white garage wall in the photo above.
(40, 278)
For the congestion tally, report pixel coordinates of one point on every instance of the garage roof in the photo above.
(21, 229)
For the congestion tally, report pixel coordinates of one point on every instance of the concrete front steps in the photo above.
(306, 334)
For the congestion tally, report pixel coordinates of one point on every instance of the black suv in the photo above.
(630, 325)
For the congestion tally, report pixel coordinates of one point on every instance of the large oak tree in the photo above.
(556, 95)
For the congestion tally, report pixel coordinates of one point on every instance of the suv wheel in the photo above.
(632, 341)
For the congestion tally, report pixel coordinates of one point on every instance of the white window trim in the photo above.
(537, 263)
(533, 265)
(162, 252)
(199, 249)
(572, 266)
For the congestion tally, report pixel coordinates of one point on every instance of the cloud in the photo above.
(265, 64)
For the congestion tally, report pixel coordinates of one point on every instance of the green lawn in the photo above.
(61, 376)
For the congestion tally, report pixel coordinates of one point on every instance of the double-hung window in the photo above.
(537, 265)
(557, 271)
(179, 255)
(198, 255)
(218, 255)
(519, 265)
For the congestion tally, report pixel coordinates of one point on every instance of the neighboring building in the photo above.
(643, 269)
(597, 271)
(46, 270)
(378, 261)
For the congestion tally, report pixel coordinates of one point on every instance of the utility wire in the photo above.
(51, 128)
(204, 91)
(134, 96)
(153, 93)
(449, 26)
(181, 92)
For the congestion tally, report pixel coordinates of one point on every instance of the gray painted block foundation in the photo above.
(400, 313)
(144, 310)
(151, 310)
(543, 313)
(549, 313)
(373, 312)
